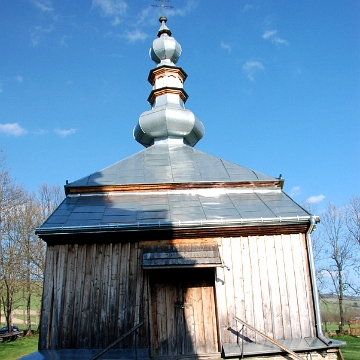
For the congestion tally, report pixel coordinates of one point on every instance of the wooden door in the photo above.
(183, 312)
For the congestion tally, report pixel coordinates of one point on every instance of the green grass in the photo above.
(16, 349)
(351, 350)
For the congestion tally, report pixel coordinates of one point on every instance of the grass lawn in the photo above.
(16, 349)
(351, 351)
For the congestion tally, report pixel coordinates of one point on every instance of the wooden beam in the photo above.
(171, 186)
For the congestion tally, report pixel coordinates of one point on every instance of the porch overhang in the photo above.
(180, 256)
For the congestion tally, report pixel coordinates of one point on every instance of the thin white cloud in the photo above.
(63, 41)
(247, 7)
(272, 36)
(136, 35)
(19, 79)
(37, 33)
(251, 68)
(43, 5)
(189, 6)
(295, 191)
(64, 133)
(225, 46)
(40, 132)
(315, 199)
(146, 16)
(12, 129)
(115, 9)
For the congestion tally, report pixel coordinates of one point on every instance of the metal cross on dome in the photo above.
(162, 5)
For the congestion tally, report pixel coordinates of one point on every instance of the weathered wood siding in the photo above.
(92, 295)
(267, 285)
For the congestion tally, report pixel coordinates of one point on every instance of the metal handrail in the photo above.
(290, 352)
(121, 338)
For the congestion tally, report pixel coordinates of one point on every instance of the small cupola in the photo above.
(168, 121)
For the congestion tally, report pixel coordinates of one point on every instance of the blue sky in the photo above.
(276, 84)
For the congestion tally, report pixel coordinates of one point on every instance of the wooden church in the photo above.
(173, 253)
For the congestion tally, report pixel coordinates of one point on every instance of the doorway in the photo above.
(182, 312)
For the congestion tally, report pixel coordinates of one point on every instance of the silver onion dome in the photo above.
(165, 49)
(168, 120)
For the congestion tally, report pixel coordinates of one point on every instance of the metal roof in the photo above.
(124, 211)
(171, 163)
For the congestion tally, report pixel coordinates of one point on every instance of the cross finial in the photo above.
(162, 5)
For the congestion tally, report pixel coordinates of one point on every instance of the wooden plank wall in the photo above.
(92, 295)
(268, 286)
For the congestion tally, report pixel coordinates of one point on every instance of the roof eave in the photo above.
(199, 224)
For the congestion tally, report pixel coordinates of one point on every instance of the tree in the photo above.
(22, 253)
(338, 248)
(30, 215)
(11, 195)
(353, 218)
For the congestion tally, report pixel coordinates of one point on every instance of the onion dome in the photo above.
(165, 49)
(168, 120)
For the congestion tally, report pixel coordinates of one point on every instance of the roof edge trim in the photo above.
(173, 225)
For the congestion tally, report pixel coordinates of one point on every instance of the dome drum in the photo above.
(167, 90)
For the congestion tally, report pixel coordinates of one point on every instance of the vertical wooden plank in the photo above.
(67, 331)
(139, 278)
(133, 258)
(85, 337)
(161, 320)
(153, 318)
(209, 321)
(170, 295)
(57, 323)
(237, 267)
(97, 326)
(106, 337)
(275, 277)
(47, 300)
(79, 275)
(146, 315)
(198, 319)
(275, 251)
(123, 283)
(256, 287)
(114, 290)
(229, 287)
(266, 275)
(221, 304)
(291, 287)
(300, 283)
(309, 289)
(249, 306)
(188, 313)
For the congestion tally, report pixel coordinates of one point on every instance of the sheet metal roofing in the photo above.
(170, 209)
(169, 163)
